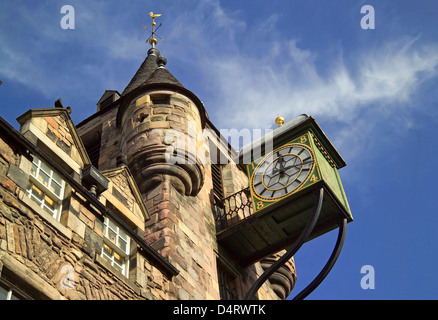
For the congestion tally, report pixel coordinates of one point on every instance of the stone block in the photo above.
(52, 122)
(159, 125)
(93, 240)
(52, 136)
(6, 152)
(10, 236)
(143, 100)
(159, 117)
(162, 110)
(178, 112)
(74, 223)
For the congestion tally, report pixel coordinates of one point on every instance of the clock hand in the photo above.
(281, 163)
(299, 164)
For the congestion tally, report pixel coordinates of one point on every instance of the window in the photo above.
(116, 247)
(46, 188)
(217, 158)
(227, 288)
(10, 292)
(160, 99)
(218, 186)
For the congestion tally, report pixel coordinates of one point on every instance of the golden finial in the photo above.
(279, 121)
(152, 40)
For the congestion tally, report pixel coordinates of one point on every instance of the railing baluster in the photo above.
(233, 208)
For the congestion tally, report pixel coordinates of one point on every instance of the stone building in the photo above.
(123, 205)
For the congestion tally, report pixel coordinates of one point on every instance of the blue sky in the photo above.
(374, 93)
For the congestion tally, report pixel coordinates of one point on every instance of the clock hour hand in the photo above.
(281, 163)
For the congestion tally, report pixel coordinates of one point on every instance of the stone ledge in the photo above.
(103, 263)
(31, 278)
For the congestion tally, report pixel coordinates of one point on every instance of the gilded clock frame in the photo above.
(304, 141)
(262, 162)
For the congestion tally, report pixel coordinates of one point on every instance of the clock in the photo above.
(288, 170)
(282, 172)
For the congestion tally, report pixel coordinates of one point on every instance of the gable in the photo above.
(54, 128)
(124, 195)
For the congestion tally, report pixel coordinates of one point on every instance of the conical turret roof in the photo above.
(151, 71)
(152, 75)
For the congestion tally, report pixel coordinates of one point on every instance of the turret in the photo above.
(160, 121)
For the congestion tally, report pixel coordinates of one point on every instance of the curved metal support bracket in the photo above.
(328, 266)
(295, 247)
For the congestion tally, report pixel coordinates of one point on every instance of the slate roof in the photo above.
(151, 71)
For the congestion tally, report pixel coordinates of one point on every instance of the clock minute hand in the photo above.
(299, 164)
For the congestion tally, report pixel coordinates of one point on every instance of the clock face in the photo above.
(282, 172)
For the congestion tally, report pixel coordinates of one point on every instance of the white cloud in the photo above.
(381, 82)
(249, 75)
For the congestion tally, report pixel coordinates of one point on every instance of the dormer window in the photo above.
(46, 188)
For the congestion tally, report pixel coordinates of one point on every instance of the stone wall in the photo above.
(61, 260)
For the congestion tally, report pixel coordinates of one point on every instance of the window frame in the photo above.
(13, 293)
(116, 249)
(37, 166)
(225, 280)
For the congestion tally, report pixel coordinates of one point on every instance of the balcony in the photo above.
(249, 237)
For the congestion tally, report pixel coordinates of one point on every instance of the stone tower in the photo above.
(159, 120)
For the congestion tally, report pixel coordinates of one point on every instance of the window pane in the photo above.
(36, 200)
(55, 188)
(112, 236)
(49, 211)
(112, 225)
(3, 293)
(107, 250)
(50, 203)
(118, 258)
(57, 178)
(36, 161)
(37, 193)
(43, 178)
(119, 268)
(123, 235)
(122, 244)
(107, 258)
(33, 170)
(45, 168)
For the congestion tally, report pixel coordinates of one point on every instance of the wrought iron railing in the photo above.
(233, 209)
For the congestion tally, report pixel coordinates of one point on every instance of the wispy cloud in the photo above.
(248, 75)
(381, 82)
(380, 78)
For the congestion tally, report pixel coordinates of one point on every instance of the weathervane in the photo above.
(152, 40)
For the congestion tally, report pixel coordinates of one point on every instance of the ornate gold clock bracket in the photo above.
(296, 246)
